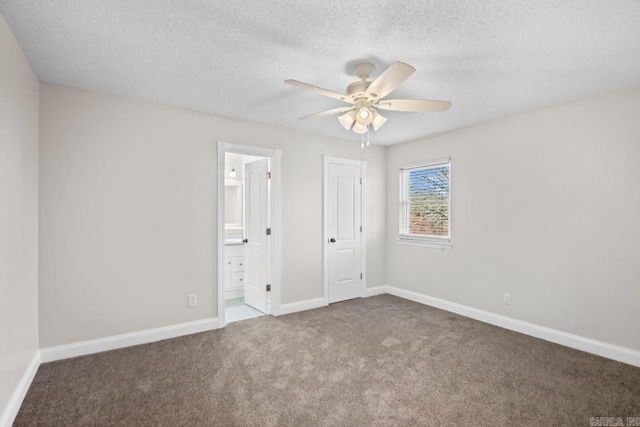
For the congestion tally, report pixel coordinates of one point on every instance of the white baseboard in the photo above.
(377, 290)
(294, 307)
(310, 304)
(11, 410)
(610, 351)
(65, 351)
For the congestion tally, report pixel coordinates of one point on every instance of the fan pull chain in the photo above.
(362, 144)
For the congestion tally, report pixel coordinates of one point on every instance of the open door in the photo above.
(256, 206)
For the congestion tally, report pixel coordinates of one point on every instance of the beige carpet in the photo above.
(380, 361)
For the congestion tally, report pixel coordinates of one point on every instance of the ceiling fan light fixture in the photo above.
(346, 120)
(360, 128)
(366, 97)
(378, 120)
(365, 116)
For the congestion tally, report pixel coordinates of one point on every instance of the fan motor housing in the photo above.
(357, 89)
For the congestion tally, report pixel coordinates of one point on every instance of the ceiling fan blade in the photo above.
(419, 105)
(327, 113)
(319, 90)
(389, 80)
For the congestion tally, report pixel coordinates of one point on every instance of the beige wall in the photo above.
(128, 212)
(18, 214)
(545, 206)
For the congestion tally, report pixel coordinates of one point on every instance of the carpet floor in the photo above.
(379, 361)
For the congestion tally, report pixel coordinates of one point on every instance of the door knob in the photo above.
(332, 240)
(245, 240)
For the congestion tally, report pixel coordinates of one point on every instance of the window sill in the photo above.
(426, 243)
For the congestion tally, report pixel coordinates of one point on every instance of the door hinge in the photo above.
(361, 229)
(360, 181)
(269, 175)
(360, 276)
(268, 288)
(268, 232)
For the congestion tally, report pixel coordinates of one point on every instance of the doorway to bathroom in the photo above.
(248, 224)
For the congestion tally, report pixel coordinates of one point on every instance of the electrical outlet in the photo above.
(507, 299)
(193, 300)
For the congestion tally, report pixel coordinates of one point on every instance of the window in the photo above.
(425, 204)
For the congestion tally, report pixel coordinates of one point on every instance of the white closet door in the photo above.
(344, 220)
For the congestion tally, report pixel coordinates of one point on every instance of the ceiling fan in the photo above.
(365, 97)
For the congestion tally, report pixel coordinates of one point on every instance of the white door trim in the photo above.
(325, 236)
(274, 272)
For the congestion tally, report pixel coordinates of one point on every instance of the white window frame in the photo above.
(403, 201)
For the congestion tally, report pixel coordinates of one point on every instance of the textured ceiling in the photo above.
(490, 58)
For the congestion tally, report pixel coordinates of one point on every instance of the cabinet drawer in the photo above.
(237, 263)
(237, 280)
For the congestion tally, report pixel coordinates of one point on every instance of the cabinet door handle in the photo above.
(332, 240)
